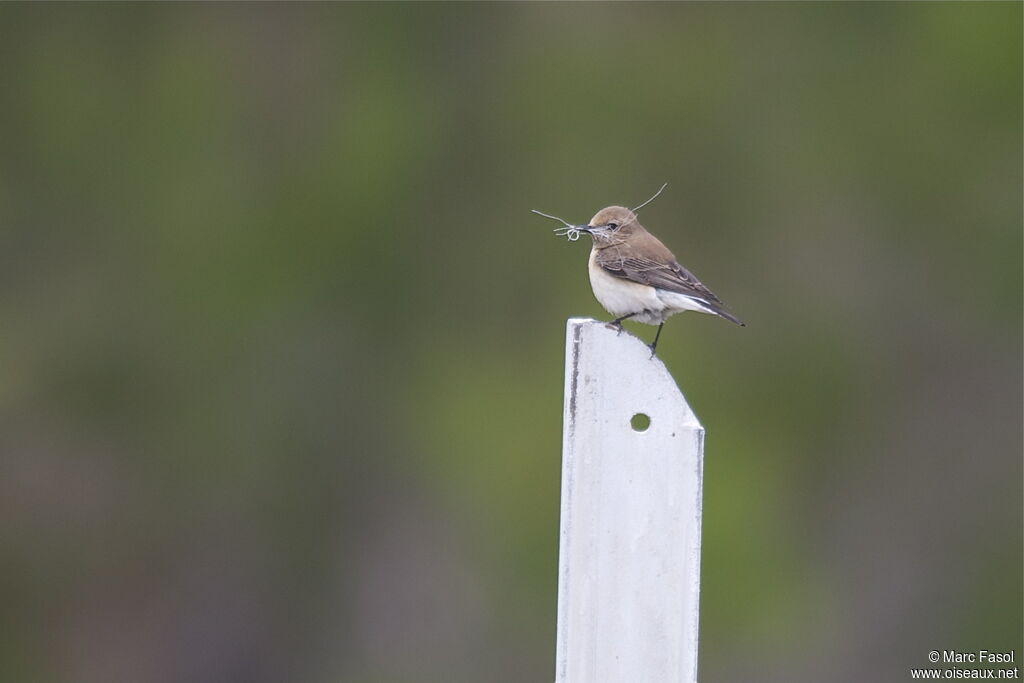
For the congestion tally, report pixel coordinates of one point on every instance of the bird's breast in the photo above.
(623, 297)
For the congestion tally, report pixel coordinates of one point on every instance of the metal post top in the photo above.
(621, 364)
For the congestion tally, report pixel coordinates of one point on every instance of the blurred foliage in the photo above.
(282, 344)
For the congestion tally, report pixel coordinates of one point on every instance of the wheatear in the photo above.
(634, 276)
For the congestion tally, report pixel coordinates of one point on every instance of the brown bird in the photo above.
(635, 277)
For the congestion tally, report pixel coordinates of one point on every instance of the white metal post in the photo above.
(629, 555)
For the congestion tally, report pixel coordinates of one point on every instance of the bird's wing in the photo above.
(669, 275)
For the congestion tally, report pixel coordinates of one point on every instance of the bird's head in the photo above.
(611, 225)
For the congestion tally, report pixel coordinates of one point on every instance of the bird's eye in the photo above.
(613, 226)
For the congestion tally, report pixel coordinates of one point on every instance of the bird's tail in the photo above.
(722, 313)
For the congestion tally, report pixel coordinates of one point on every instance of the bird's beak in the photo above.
(584, 228)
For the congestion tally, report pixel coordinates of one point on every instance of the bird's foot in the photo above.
(654, 344)
(617, 323)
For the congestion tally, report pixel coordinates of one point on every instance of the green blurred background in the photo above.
(281, 345)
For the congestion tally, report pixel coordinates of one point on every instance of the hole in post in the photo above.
(640, 422)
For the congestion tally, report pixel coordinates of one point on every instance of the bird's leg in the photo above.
(618, 321)
(654, 344)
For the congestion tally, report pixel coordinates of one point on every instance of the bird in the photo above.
(636, 277)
